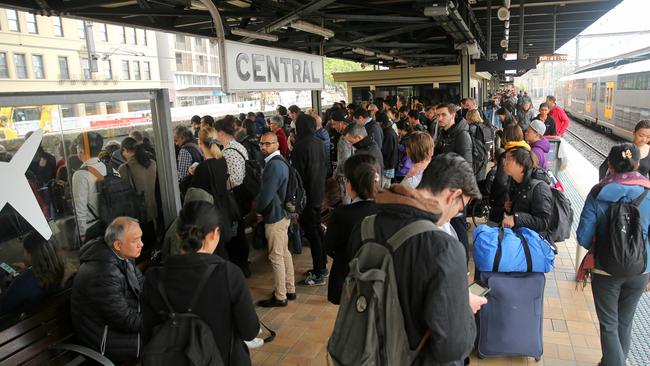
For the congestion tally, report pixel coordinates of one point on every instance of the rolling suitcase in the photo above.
(511, 323)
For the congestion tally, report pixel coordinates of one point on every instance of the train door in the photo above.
(609, 99)
(590, 90)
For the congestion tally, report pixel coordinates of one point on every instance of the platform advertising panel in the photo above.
(252, 68)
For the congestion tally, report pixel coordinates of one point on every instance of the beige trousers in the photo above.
(280, 258)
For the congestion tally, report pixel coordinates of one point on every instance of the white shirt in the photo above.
(236, 164)
(85, 194)
(273, 154)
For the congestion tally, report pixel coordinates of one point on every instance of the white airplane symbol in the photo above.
(16, 190)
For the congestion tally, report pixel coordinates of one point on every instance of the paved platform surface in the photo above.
(570, 324)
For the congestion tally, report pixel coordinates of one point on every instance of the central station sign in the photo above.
(252, 68)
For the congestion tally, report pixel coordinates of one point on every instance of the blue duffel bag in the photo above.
(511, 250)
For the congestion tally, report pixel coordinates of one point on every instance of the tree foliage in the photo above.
(333, 65)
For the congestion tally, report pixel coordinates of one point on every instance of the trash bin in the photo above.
(552, 156)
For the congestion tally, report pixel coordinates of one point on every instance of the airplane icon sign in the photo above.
(16, 190)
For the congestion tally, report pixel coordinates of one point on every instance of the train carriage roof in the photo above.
(629, 68)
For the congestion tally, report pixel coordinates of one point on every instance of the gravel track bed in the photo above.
(602, 142)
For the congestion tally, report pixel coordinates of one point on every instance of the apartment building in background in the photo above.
(40, 53)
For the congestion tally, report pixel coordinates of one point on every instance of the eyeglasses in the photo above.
(267, 143)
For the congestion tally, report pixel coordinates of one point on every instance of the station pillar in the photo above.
(316, 105)
(464, 73)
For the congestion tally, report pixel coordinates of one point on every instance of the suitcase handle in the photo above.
(524, 243)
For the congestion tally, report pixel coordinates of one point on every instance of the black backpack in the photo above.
(622, 252)
(116, 197)
(296, 198)
(479, 156)
(253, 175)
(184, 338)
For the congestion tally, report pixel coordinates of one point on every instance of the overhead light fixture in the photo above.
(503, 14)
(384, 56)
(312, 28)
(363, 51)
(437, 10)
(256, 35)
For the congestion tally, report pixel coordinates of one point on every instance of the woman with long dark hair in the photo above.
(224, 304)
(530, 199)
(361, 184)
(47, 273)
(615, 297)
(140, 172)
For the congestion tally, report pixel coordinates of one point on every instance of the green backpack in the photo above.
(369, 328)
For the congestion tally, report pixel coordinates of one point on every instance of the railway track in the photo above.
(587, 144)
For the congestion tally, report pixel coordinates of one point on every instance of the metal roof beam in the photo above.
(377, 18)
(309, 8)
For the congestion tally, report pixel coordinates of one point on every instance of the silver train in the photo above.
(612, 98)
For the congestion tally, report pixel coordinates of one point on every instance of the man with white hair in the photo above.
(105, 301)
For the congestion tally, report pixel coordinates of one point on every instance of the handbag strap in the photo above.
(524, 243)
(637, 201)
(497, 255)
(499, 252)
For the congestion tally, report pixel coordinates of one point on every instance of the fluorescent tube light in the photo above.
(256, 35)
(312, 28)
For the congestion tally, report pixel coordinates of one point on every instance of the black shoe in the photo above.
(290, 296)
(325, 274)
(273, 302)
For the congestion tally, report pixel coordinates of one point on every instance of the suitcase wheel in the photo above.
(537, 359)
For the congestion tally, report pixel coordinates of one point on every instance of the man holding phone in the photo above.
(430, 268)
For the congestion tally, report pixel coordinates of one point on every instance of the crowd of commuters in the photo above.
(397, 160)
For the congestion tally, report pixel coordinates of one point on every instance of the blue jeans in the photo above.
(616, 299)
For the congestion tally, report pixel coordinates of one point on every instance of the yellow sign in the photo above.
(553, 57)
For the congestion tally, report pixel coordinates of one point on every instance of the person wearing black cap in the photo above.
(308, 158)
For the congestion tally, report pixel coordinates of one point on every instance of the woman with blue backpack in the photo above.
(614, 227)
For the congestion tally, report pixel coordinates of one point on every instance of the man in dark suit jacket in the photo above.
(372, 127)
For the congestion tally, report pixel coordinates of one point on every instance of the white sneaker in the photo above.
(255, 343)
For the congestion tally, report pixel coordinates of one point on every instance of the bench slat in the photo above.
(31, 351)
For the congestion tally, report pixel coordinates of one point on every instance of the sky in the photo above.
(630, 15)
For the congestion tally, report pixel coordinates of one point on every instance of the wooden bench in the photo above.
(44, 338)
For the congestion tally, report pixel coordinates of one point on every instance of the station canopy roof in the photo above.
(399, 33)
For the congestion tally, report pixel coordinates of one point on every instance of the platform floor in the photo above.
(571, 335)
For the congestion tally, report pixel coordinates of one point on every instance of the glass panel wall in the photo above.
(60, 182)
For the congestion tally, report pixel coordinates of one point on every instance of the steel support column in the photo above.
(221, 39)
(464, 73)
(489, 30)
(520, 54)
(165, 156)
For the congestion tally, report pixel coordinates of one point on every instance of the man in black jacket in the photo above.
(373, 129)
(105, 301)
(308, 158)
(362, 143)
(454, 136)
(430, 268)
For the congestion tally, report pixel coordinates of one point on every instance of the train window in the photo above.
(636, 81)
(593, 94)
(601, 92)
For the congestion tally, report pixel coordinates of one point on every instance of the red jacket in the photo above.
(561, 119)
(283, 145)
